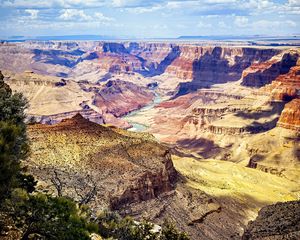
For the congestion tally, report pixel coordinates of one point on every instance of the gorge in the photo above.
(214, 131)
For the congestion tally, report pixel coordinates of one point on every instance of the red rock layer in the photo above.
(120, 97)
(285, 87)
(290, 116)
(125, 169)
(261, 74)
(196, 59)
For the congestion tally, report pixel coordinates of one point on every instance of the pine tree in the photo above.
(13, 139)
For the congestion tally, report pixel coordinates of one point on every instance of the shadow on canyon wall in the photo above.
(258, 127)
(213, 68)
(162, 66)
(204, 147)
(269, 74)
(58, 57)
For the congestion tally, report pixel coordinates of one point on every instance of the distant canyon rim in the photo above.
(221, 123)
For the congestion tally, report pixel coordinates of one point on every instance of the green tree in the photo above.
(13, 139)
(111, 225)
(49, 217)
(170, 232)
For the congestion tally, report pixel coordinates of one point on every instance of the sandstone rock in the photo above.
(275, 222)
(125, 169)
(290, 117)
(285, 87)
(211, 65)
(120, 97)
(259, 75)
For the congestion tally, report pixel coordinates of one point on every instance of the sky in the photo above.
(149, 19)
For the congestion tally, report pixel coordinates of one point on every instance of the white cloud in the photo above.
(98, 16)
(294, 2)
(80, 15)
(52, 3)
(33, 13)
(141, 10)
(73, 14)
(241, 21)
(267, 24)
(203, 25)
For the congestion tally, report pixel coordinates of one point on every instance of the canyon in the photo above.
(214, 131)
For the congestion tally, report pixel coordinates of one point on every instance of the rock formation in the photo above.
(259, 75)
(53, 99)
(120, 97)
(227, 112)
(275, 222)
(212, 65)
(290, 117)
(124, 169)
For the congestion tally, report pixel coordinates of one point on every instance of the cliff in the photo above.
(290, 116)
(286, 86)
(52, 98)
(119, 97)
(275, 222)
(260, 74)
(125, 169)
(206, 66)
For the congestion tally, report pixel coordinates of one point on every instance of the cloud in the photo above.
(72, 14)
(135, 3)
(294, 3)
(51, 3)
(267, 24)
(141, 10)
(241, 21)
(80, 15)
(179, 16)
(33, 13)
(202, 24)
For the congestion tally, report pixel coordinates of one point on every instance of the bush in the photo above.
(13, 139)
(111, 225)
(49, 217)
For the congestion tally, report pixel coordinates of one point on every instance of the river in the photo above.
(138, 127)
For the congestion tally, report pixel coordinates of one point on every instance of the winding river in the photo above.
(138, 127)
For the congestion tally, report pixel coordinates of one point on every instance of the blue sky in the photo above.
(147, 19)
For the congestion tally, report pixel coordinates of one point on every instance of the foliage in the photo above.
(26, 182)
(111, 225)
(49, 217)
(169, 232)
(13, 140)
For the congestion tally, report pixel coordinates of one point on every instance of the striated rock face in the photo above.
(259, 75)
(119, 97)
(275, 222)
(88, 113)
(285, 87)
(53, 99)
(211, 65)
(125, 169)
(290, 116)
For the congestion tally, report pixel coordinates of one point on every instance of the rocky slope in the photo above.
(120, 97)
(134, 175)
(226, 112)
(290, 116)
(259, 75)
(278, 221)
(124, 169)
(256, 127)
(53, 99)
(212, 65)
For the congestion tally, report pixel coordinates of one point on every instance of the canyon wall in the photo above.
(290, 117)
(125, 169)
(52, 98)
